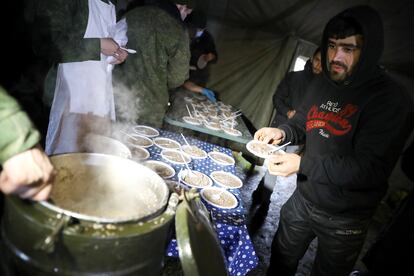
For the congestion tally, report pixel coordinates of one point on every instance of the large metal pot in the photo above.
(98, 221)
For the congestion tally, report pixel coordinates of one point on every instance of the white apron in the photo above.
(83, 93)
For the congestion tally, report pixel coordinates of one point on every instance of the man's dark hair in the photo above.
(342, 27)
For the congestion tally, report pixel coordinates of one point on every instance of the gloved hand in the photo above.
(209, 94)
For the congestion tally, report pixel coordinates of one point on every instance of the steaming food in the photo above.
(146, 131)
(219, 198)
(139, 153)
(175, 156)
(140, 141)
(221, 158)
(195, 179)
(162, 169)
(226, 180)
(166, 143)
(194, 151)
(90, 190)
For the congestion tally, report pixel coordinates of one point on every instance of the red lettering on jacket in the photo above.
(335, 123)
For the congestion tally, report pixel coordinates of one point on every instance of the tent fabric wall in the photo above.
(249, 70)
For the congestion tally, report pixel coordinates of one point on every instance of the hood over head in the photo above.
(372, 31)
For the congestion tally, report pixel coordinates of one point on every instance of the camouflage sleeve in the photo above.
(64, 24)
(179, 61)
(17, 131)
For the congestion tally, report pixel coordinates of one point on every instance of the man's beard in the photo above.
(338, 76)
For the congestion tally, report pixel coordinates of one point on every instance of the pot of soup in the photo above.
(106, 215)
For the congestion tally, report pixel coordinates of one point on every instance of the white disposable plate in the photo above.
(139, 141)
(166, 143)
(145, 131)
(139, 153)
(232, 131)
(261, 149)
(162, 169)
(186, 148)
(206, 195)
(213, 127)
(173, 155)
(221, 158)
(216, 178)
(192, 120)
(184, 173)
(188, 99)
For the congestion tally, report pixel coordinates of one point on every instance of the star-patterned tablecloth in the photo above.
(229, 224)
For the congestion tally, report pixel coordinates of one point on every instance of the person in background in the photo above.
(26, 169)
(203, 53)
(292, 89)
(353, 121)
(85, 42)
(142, 83)
(286, 100)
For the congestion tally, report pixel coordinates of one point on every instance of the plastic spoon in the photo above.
(278, 148)
(130, 51)
(185, 140)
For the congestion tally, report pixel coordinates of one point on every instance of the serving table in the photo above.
(229, 224)
(178, 110)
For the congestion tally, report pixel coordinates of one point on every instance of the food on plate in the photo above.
(192, 120)
(166, 143)
(221, 158)
(212, 125)
(139, 153)
(232, 131)
(162, 169)
(218, 197)
(195, 179)
(194, 151)
(226, 180)
(176, 156)
(146, 131)
(139, 141)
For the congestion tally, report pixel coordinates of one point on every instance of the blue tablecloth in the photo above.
(229, 224)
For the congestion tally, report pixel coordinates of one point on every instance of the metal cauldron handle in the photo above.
(48, 244)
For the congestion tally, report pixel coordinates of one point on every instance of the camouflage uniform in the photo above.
(58, 30)
(17, 132)
(161, 63)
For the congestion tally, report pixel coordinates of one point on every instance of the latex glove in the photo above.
(209, 94)
(28, 174)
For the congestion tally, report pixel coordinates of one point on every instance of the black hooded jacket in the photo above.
(289, 93)
(354, 131)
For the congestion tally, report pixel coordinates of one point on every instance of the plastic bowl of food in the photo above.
(212, 125)
(194, 151)
(261, 149)
(166, 143)
(192, 120)
(219, 197)
(221, 158)
(139, 141)
(162, 169)
(176, 157)
(194, 179)
(226, 180)
(232, 131)
(145, 131)
(139, 153)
